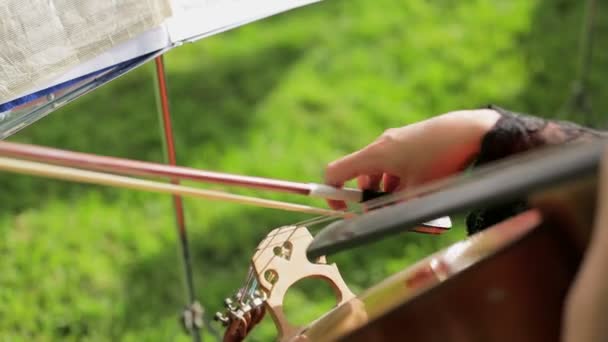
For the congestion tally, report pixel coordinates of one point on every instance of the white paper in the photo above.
(190, 20)
(41, 40)
(149, 41)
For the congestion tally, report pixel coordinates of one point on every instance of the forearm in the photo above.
(516, 133)
(586, 306)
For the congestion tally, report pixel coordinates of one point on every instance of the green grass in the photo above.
(278, 98)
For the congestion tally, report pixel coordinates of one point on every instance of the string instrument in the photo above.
(94, 169)
(484, 288)
(507, 283)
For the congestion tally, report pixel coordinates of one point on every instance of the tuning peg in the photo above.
(220, 317)
(229, 304)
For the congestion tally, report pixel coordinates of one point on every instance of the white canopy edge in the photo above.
(196, 19)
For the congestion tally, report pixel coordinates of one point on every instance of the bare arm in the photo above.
(515, 133)
(447, 144)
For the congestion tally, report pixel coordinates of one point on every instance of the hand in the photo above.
(414, 154)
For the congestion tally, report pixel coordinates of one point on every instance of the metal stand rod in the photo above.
(169, 146)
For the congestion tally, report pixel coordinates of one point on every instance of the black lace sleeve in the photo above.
(516, 133)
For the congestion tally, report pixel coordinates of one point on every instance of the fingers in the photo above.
(391, 182)
(414, 154)
(363, 162)
(335, 204)
(370, 182)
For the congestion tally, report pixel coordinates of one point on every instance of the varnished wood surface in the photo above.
(512, 289)
(516, 295)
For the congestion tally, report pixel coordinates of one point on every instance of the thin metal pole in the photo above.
(169, 146)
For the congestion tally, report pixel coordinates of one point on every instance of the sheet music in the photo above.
(149, 41)
(41, 40)
(147, 26)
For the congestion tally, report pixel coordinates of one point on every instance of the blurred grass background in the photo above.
(278, 98)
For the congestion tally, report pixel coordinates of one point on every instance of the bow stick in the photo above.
(149, 169)
(92, 177)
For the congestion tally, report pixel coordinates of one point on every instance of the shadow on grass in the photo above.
(155, 287)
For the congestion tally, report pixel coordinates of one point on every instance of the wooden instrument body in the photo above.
(507, 283)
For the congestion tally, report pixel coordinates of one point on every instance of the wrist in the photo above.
(486, 119)
(473, 125)
(482, 121)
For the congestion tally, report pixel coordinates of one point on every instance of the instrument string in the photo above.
(412, 193)
(420, 190)
(367, 206)
(251, 284)
(243, 289)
